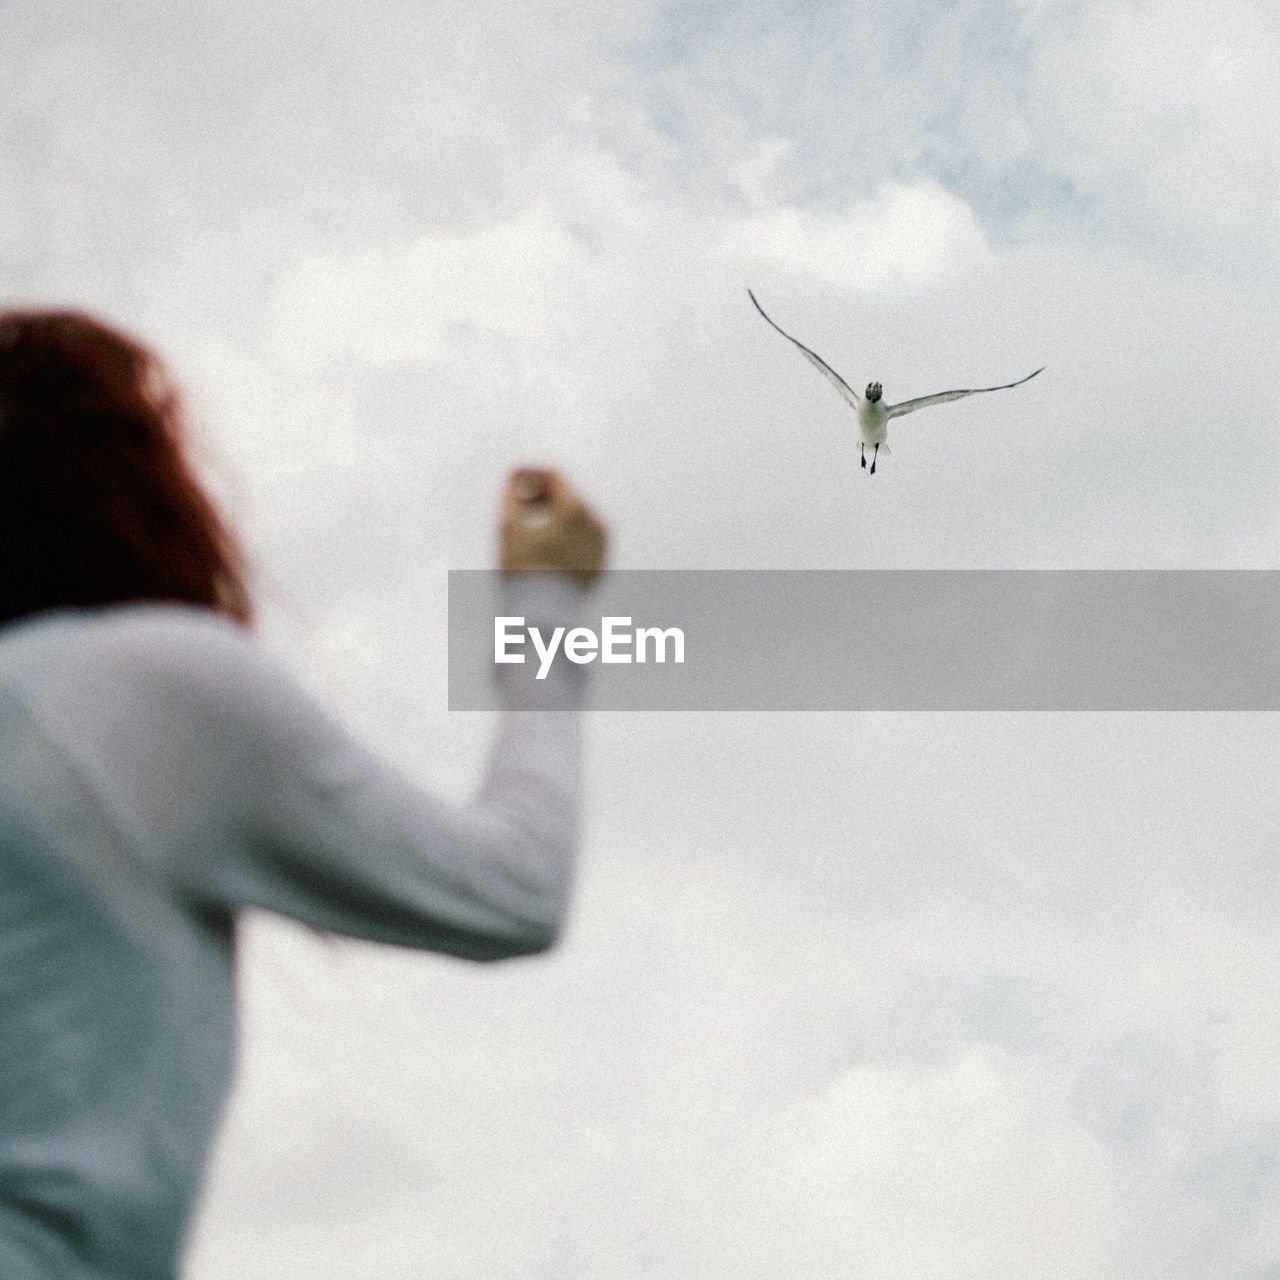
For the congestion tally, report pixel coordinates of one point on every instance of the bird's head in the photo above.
(874, 391)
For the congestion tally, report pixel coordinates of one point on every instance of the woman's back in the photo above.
(118, 1022)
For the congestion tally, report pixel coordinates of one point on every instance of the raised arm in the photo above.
(246, 792)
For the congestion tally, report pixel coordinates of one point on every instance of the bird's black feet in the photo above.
(864, 459)
(874, 456)
(873, 467)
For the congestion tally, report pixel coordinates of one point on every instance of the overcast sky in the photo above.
(915, 997)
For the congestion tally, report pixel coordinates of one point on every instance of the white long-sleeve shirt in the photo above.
(158, 774)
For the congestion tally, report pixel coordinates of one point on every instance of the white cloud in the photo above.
(967, 1169)
(1167, 106)
(714, 1079)
(418, 300)
(906, 237)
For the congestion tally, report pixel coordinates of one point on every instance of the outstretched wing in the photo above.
(816, 360)
(941, 397)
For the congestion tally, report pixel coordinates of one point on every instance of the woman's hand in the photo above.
(545, 525)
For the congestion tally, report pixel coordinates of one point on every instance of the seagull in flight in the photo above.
(873, 413)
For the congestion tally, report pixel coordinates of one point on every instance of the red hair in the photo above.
(99, 502)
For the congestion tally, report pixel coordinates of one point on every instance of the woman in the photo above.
(158, 774)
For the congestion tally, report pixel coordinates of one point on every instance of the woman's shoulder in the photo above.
(154, 645)
(142, 627)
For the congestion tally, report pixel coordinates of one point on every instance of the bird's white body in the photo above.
(873, 413)
(873, 422)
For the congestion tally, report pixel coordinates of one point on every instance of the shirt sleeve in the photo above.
(261, 798)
